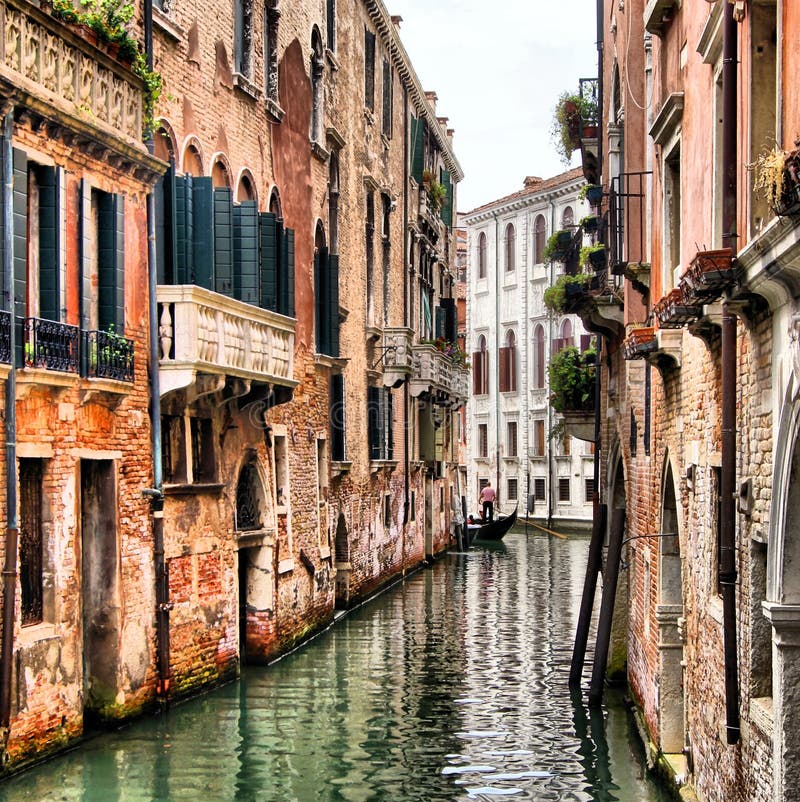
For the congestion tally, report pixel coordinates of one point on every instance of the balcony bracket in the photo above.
(204, 384)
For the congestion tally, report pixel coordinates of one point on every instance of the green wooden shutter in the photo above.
(320, 335)
(286, 275)
(373, 422)
(418, 151)
(246, 263)
(85, 254)
(204, 266)
(447, 204)
(223, 240)
(332, 300)
(389, 425)
(441, 320)
(168, 225)
(20, 212)
(49, 245)
(185, 268)
(449, 331)
(111, 261)
(337, 417)
(269, 261)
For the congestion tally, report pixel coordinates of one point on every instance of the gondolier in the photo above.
(487, 501)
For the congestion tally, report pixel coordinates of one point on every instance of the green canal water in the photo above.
(449, 686)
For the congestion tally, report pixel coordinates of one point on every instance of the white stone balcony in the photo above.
(397, 355)
(203, 333)
(438, 376)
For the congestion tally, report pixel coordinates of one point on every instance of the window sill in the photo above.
(340, 468)
(274, 111)
(167, 26)
(246, 86)
(513, 458)
(27, 378)
(377, 465)
(325, 361)
(563, 457)
(538, 458)
(254, 538)
(35, 633)
(194, 489)
(285, 566)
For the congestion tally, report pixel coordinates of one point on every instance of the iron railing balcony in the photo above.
(51, 345)
(107, 355)
(627, 217)
(205, 333)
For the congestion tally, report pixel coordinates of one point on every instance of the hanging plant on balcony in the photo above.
(776, 178)
(566, 290)
(572, 380)
(558, 245)
(437, 195)
(571, 111)
(593, 256)
(589, 223)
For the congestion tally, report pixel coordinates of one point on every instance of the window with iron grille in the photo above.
(539, 488)
(483, 440)
(563, 488)
(380, 423)
(31, 545)
(588, 490)
(511, 438)
(512, 489)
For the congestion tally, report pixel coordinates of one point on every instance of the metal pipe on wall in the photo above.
(10, 568)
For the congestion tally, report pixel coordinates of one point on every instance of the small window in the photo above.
(412, 513)
(330, 19)
(511, 248)
(588, 490)
(204, 462)
(511, 438)
(482, 255)
(483, 440)
(539, 239)
(281, 471)
(512, 489)
(538, 438)
(369, 69)
(387, 510)
(539, 488)
(387, 99)
(563, 488)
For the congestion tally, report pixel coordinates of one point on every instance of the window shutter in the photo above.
(287, 273)
(111, 261)
(441, 319)
(188, 202)
(269, 261)
(246, 267)
(332, 299)
(556, 345)
(202, 217)
(85, 253)
(476, 372)
(320, 336)
(49, 246)
(373, 430)
(447, 205)
(159, 224)
(166, 226)
(418, 152)
(20, 213)
(389, 424)
(223, 241)
(586, 342)
(450, 331)
(512, 369)
(504, 370)
(338, 420)
(369, 69)
(387, 99)
(485, 373)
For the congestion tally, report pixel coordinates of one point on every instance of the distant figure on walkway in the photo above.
(487, 500)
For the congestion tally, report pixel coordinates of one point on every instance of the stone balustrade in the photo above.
(436, 374)
(204, 332)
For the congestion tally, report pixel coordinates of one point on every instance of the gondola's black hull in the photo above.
(494, 530)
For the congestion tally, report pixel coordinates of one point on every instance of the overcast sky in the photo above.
(498, 68)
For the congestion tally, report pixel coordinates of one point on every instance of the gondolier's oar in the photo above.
(549, 531)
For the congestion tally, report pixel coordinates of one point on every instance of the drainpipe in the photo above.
(12, 525)
(548, 354)
(406, 290)
(727, 561)
(156, 494)
(497, 351)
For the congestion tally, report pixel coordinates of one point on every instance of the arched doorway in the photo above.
(671, 707)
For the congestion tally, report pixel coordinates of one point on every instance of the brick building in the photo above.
(297, 297)
(699, 382)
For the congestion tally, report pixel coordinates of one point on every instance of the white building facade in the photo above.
(510, 336)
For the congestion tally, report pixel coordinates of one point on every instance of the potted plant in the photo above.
(566, 289)
(559, 243)
(593, 193)
(571, 111)
(589, 223)
(776, 182)
(572, 379)
(594, 256)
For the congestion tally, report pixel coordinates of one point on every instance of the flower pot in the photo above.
(594, 194)
(597, 259)
(589, 224)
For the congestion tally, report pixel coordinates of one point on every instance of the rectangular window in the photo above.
(588, 490)
(412, 512)
(483, 440)
(338, 419)
(281, 471)
(380, 423)
(173, 449)
(31, 545)
(322, 469)
(508, 369)
(512, 489)
(672, 213)
(563, 488)
(271, 52)
(369, 69)
(511, 438)
(539, 488)
(204, 462)
(538, 438)
(387, 99)
(387, 510)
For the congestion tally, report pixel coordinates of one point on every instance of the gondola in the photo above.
(494, 530)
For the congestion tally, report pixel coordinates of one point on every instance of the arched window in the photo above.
(317, 97)
(220, 177)
(508, 364)
(246, 190)
(480, 368)
(511, 247)
(243, 38)
(192, 161)
(482, 255)
(568, 217)
(249, 499)
(538, 357)
(539, 238)
(566, 333)
(326, 296)
(275, 203)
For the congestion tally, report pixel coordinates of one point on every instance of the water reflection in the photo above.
(452, 686)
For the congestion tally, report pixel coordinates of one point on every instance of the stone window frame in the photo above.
(271, 22)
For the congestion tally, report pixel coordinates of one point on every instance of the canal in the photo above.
(450, 686)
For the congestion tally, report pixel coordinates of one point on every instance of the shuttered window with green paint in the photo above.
(20, 214)
(202, 217)
(111, 261)
(246, 258)
(223, 240)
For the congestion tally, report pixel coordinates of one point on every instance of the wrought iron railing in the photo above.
(626, 220)
(587, 88)
(51, 345)
(107, 355)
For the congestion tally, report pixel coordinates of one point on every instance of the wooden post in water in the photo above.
(607, 607)
(593, 566)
